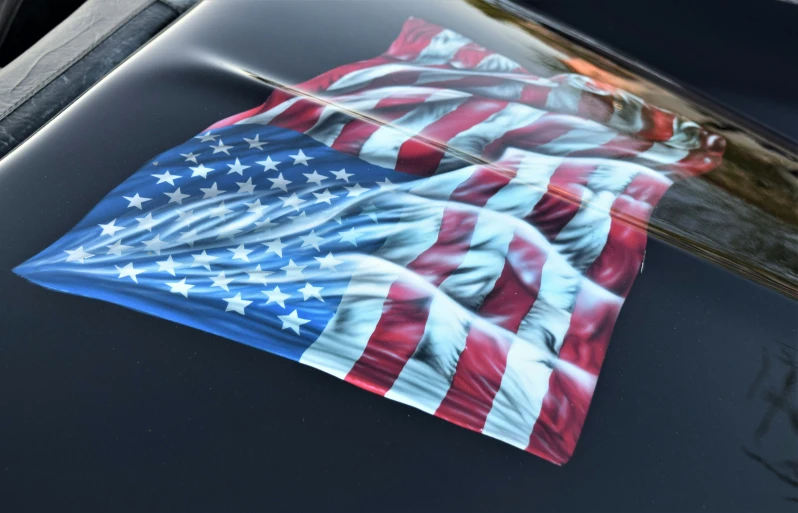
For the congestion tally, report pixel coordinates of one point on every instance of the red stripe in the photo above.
(476, 380)
(402, 323)
(434, 265)
(563, 198)
(357, 132)
(648, 187)
(416, 35)
(469, 56)
(418, 157)
(657, 124)
(596, 107)
(621, 147)
(700, 161)
(404, 317)
(535, 95)
(545, 129)
(572, 381)
(617, 265)
(620, 259)
(325, 80)
(300, 116)
(482, 363)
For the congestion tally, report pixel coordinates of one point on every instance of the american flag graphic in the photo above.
(435, 225)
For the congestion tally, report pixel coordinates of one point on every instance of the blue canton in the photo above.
(250, 232)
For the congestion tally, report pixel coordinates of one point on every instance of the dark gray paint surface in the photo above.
(108, 409)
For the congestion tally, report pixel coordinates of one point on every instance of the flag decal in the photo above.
(462, 245)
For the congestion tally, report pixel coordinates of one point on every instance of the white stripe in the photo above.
(564, 98)
(345, 337)
(589, 136)
(358, 78)
(530, 359)
(442, 48)
(497, 63)
(662, 154)
(483, 262)
(264, 118)
(427, 375)
(333, 120)
(584, 237)
(420, 223)
(519, 197)
(498, 221)
(474, 139)
(507, 86)
(382, 148)
(628, 118)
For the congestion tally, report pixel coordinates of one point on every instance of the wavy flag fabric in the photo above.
(435, 225)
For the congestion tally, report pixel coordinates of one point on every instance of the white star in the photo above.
(238, 167)
(328, 262)
(292, 270)
(350, 236)
(201, 170)
(276, 296)
(168, 265)
(147, 222)
(311, 239)
(342, 175)
(221, 147)
(228, 232)
(258, 276)
(189, 237)
(292, 321)
(177, 196)
(219, 211)
(221, 281)
(370, 211)
(324, 197)
(110, 228)
(310, 291)
(292, 201)
(207, 137)
(129, 271)
(387, 186)
(155, 244)
(337, 218)
(241, 252)
(180, 287)
(78, 255)
(167, 177)
(190, 156)
(211, 192)
(255, 207)
(135, 201)
(245, 187)
(300, 219)
(187, 216)
(355, 190)
(117, 248)
(266, 224)
(236, 304)
(315, 177)
(269, 164)
(279, 183)
(276, 246)
(203, 260)
(255, 143)
(300, 158)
